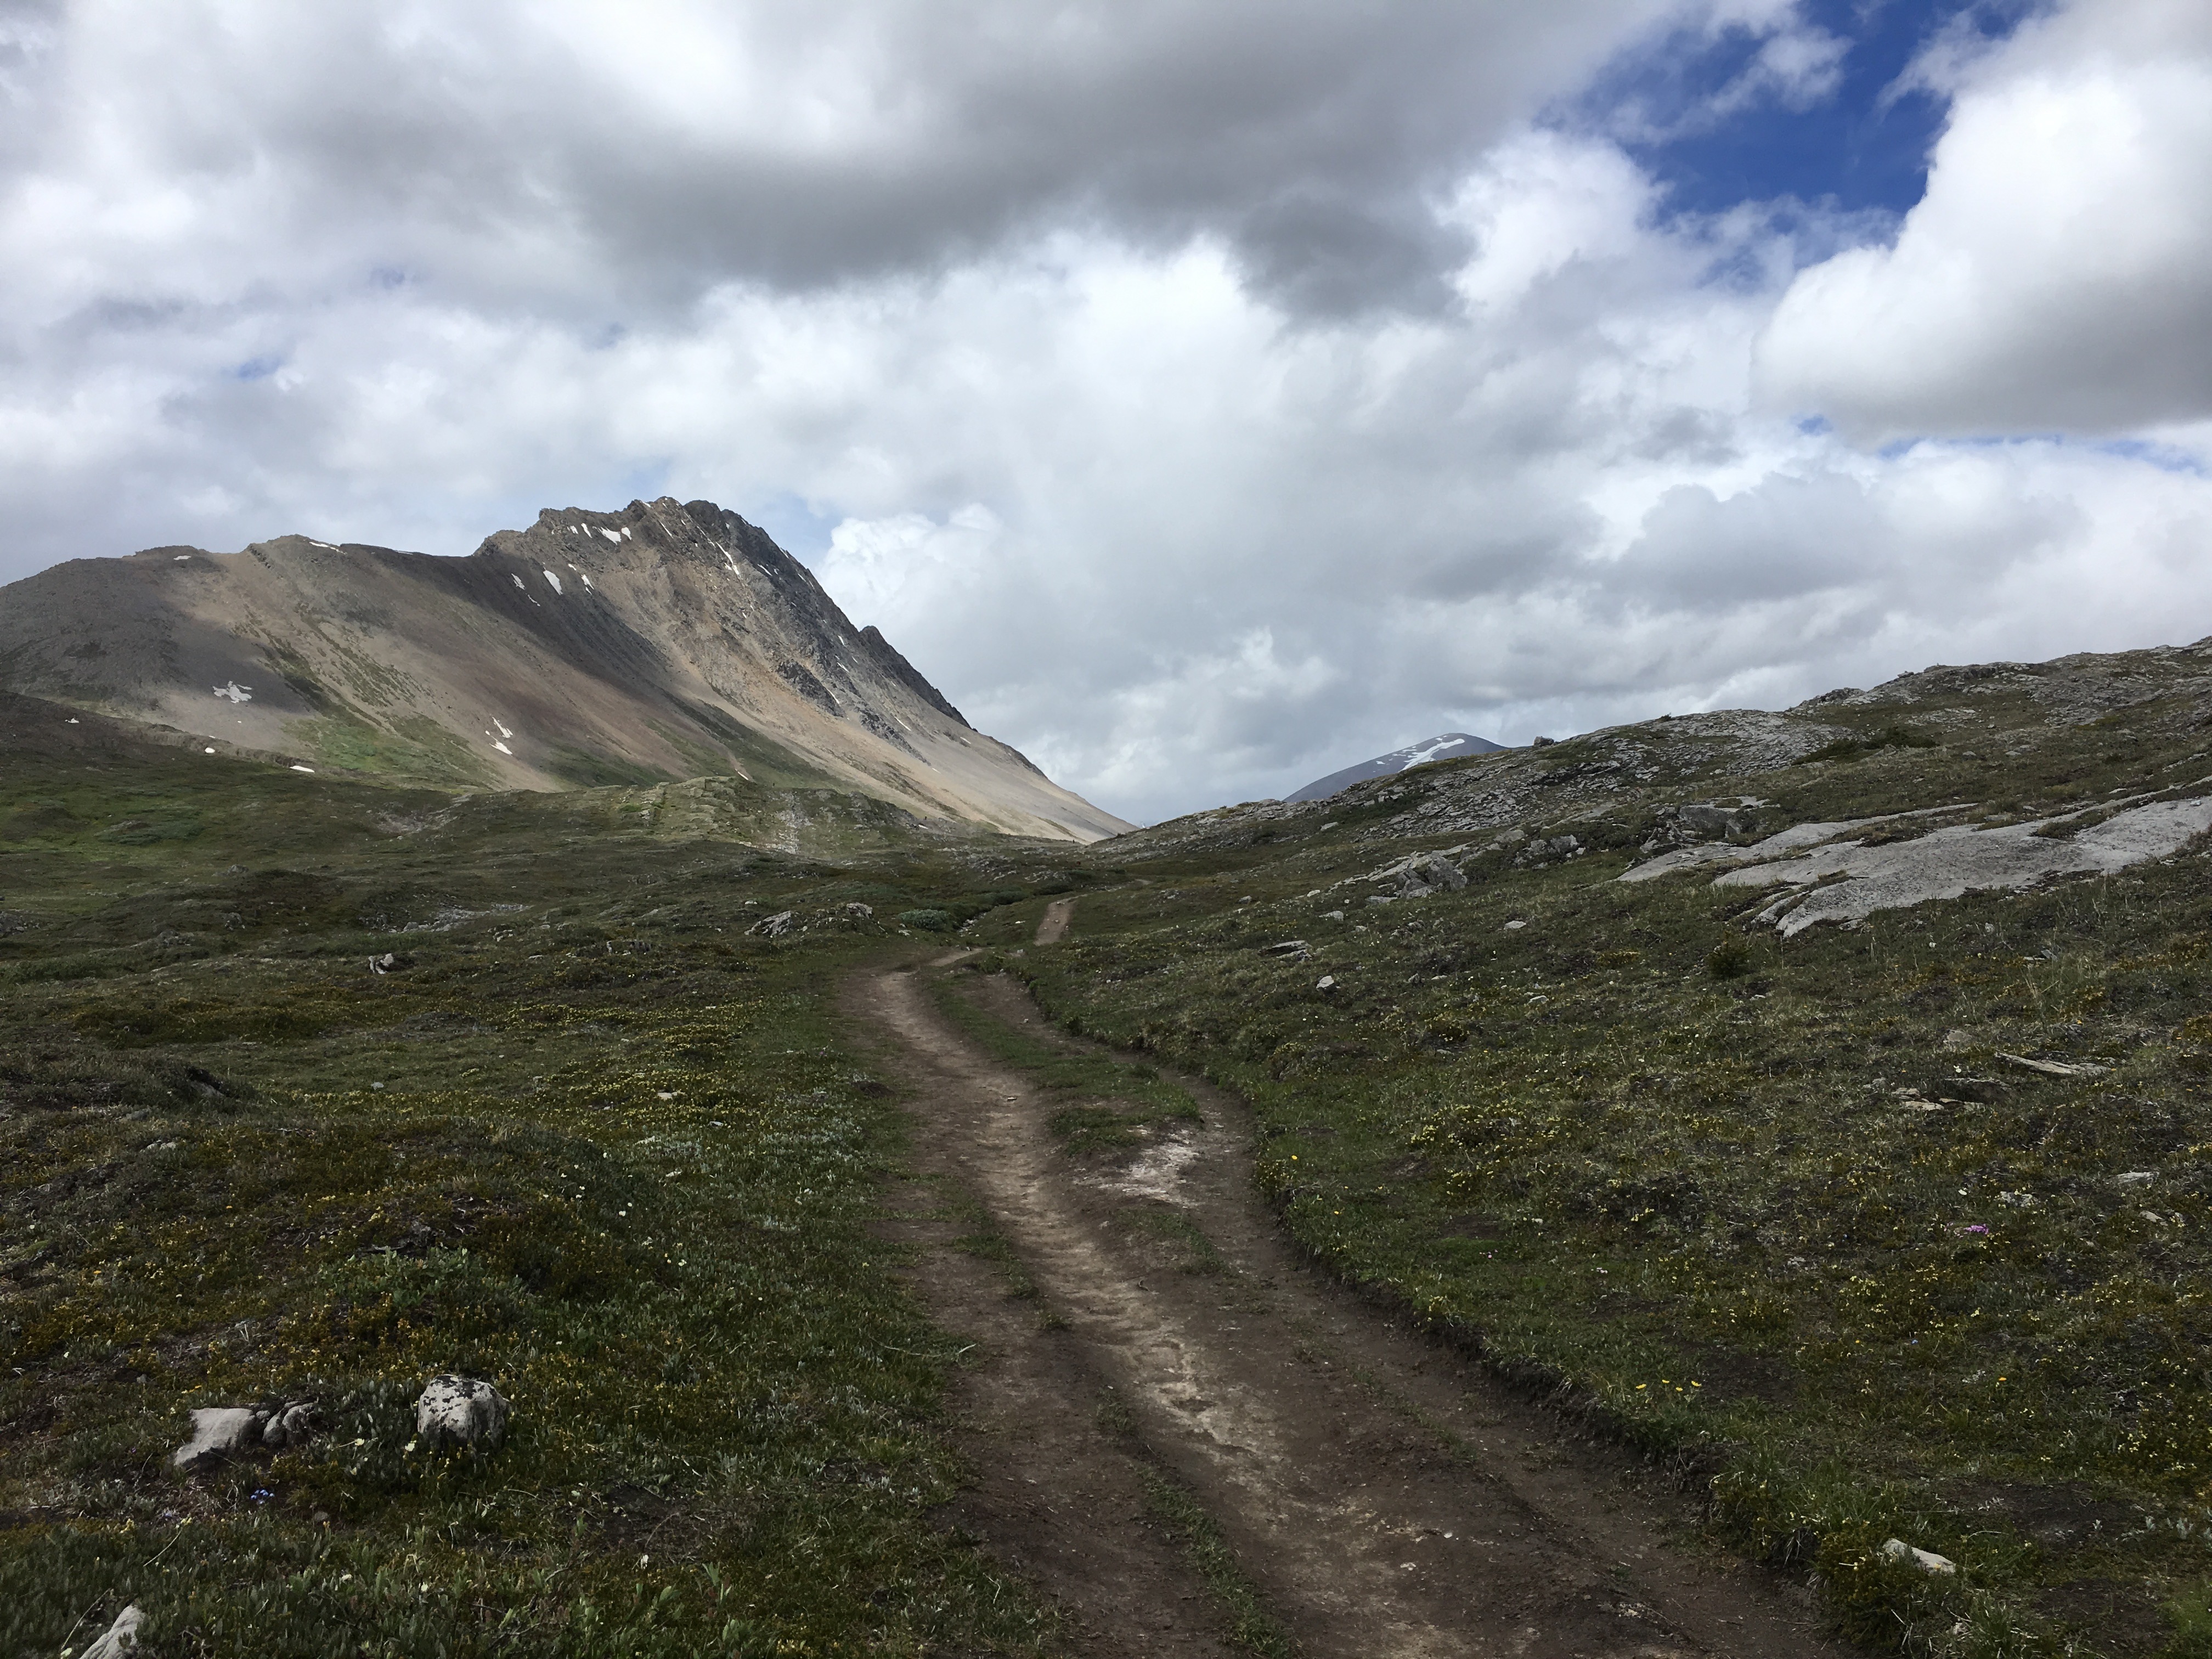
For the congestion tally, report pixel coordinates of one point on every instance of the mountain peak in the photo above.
(663, 640)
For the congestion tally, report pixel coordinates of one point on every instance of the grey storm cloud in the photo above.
(539, 153)
(1791, 536)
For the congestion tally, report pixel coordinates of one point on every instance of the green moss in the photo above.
(582, 1137)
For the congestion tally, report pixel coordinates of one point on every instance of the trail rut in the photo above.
(1385, 1497)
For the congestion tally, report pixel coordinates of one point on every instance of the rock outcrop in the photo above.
(1833, 876)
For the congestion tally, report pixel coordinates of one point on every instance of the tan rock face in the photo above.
(663, 642)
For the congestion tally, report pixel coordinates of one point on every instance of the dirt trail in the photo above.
(1385, 1497)
(1052, 926)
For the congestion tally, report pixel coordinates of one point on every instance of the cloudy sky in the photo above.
(1206, 393)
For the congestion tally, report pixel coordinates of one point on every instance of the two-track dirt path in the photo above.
(1385, 1497)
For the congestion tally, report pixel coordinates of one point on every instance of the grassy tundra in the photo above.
(1892, 1228)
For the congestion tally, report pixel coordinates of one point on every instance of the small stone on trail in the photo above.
(460, 1411)
(121, 1637)
(1927, 1560)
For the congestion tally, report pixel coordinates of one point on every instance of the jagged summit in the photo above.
(667, 640)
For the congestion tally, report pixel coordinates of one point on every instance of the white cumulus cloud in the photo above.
(2057, 275)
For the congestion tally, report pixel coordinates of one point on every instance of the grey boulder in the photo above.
(1435, 873)
(460, 1411)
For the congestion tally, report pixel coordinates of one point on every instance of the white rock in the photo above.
(775, 927)
(460, 1411)
(121, 1637)
(2136, 1178)
(1326, 982)
(217, 1432)
(1511, 925)
(1927, 1560)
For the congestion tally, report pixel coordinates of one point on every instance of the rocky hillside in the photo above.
(667, 640)
(1818, 1101)
(1943, 745)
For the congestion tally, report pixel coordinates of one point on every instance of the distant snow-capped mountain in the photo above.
(1452, 746)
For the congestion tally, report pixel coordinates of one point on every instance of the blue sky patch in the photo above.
(1727, 117)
